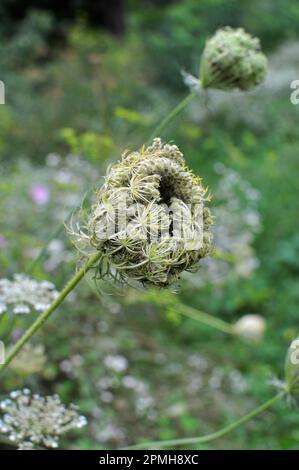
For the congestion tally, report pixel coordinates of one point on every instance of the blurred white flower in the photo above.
(56, 255)
(106, 397)
(30, 360)
(117, 363)
(251, 327)
(24, 294)
(53, 160)
(110, 432)
(32, 420)
(237, 381)
(237, 221)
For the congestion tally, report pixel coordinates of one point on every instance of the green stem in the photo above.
(207, 319)
(43, 317)
(210, 437)
(171, 116)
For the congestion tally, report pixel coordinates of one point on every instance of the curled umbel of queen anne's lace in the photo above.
(232, 59)
(149, 221)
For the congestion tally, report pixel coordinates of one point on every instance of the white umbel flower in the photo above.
(31, 420)
(23, 294)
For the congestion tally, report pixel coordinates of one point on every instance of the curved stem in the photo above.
(210, 437)
(206, 318)
(171, 116)
(43, 317)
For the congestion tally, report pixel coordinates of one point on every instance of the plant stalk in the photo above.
(205, 318)
(209, 437)
(171, 116)
(45, 315)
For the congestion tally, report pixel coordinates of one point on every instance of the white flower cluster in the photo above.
(23, 294)
(116, 362)
(31, 420)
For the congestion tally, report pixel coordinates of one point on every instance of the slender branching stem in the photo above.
(45, 315)
(171, 116)
(206, 318)
(209, 437)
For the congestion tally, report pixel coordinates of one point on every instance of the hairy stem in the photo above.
(171, 116)
(45, 315)
(209, 437)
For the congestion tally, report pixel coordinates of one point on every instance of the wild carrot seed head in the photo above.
(150, 221)
(232, 59)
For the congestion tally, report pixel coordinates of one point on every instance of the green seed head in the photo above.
(150, 221)
(232, 59)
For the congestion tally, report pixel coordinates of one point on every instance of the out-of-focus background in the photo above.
(85, 80)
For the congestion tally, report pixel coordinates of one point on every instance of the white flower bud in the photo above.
(251, 327)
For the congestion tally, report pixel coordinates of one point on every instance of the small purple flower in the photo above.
(40, 194)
